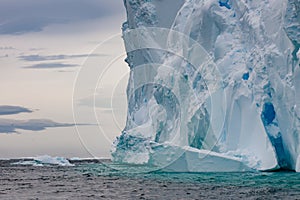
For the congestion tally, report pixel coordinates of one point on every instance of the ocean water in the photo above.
(101, 179)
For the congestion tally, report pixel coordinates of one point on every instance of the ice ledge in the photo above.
(187, 159)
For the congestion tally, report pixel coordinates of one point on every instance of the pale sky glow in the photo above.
(43, 46)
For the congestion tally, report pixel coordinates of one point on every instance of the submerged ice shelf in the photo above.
(214, 85)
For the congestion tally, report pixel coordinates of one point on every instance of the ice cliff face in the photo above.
(214, 85)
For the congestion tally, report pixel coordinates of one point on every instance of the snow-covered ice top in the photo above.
(214, 85)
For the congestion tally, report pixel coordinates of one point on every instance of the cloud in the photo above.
(100, 102)
(36, 49)
(50, 66)
(12, 110)
(18, 17)
(106, 104)
(10, 125)
(7, 48)
(55, 57)
(5, 56)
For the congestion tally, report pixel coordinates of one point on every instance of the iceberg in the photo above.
(214, 85)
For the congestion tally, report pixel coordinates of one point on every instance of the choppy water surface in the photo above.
(105, 180)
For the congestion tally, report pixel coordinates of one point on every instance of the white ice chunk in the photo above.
(46, 160)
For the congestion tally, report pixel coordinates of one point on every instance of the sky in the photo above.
(62, 77)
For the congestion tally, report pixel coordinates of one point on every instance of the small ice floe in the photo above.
(44, 161)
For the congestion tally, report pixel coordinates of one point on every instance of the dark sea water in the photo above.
(93, 179)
